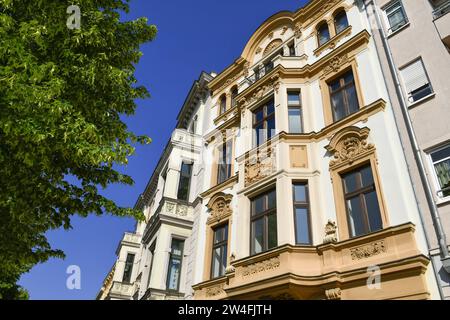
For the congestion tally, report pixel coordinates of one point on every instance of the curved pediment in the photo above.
(278, 27)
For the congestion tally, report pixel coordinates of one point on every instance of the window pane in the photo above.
(216, 263)
(259, 134)
(272, 231)
(341, 22)
(270, 127)
(350, 182)
(270, 107)
(259, 115)
(294, 98)
(373, 210)
(302, 226)
(323, 34)
(177, 247)
(443, 174)
(441, 154)
(396, 16)
(355, 216)
(337, 102)
(352, 97)
(259, 205)
(174, 273)
(272, 200)
(366, 176)
(258, 235)
(300, 192)
(295, 120)
(348, 77)
(224, 259)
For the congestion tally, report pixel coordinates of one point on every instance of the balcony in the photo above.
(333, 270)
(121, 291)
(442, 21)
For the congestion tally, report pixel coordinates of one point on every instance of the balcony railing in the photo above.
(443, 9)
(260, 73)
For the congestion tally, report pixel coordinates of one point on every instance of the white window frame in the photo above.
(386, 19)
(437, 185)
(405, 89)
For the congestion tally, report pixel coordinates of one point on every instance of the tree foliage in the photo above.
(62, 95)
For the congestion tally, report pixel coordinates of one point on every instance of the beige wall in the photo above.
(420, 38)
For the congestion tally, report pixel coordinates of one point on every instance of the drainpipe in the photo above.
(445, 257)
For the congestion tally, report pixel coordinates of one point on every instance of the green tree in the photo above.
(62, 95)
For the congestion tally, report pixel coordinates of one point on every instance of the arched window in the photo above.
(223, 104)
(323, 34)
(340, 21)
(234, 93)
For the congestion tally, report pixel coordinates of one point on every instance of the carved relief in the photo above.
(284, 30)
(298, 30)
(261, 91)
(260, 165)
(369, 250)
(333, 294)
(348, 144)
(262, 266)
(272, 46)
(215, 291)
(336, 63)
(330, 232)
(220, 207)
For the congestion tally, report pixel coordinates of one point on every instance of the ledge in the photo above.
(220, 187)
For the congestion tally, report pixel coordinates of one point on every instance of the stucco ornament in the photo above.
(369, 250)
(333, 294)
(220, 207)
(260, 165)
(272, 46)
(330, 232)
(348, 145)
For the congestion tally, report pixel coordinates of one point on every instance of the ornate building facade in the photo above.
(285, 178)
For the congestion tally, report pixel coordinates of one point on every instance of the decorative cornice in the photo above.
(220, 187)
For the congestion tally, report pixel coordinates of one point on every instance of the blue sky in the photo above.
(193, 36)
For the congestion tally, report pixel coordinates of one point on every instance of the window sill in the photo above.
(420, 101)
(332, 43)
(443, 201)
(393, 33)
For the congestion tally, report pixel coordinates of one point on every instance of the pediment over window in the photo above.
(348, 145)
(220, 207)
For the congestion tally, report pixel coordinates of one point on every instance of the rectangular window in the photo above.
(441, 164)
(363, 210)
(219, 251)
(415, 79)
(175, 260)
(264, 222)
(295, 112)
(301, 213)
(225, 161)
(185, 181)
(344, 99)
(152, 257)
(264, 123)
(127, 271)
(395, 15)
(291, 50)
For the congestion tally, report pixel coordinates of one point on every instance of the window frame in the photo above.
(305, 205)
(335, 15)
(388, 6)
(180, 257)
(233, 94)
(131, 268)
(429, 85)
(223, 152)
(264, 121)
(222, 104)
(432, 163)
(360, 192)
(296, 107)
(223, 245)
(343, 87)
(188, 191)
(264, 215)
(321, 25)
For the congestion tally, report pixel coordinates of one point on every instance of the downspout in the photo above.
(441, 237)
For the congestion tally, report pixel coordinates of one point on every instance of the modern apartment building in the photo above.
(413, 41)
(285, 178)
